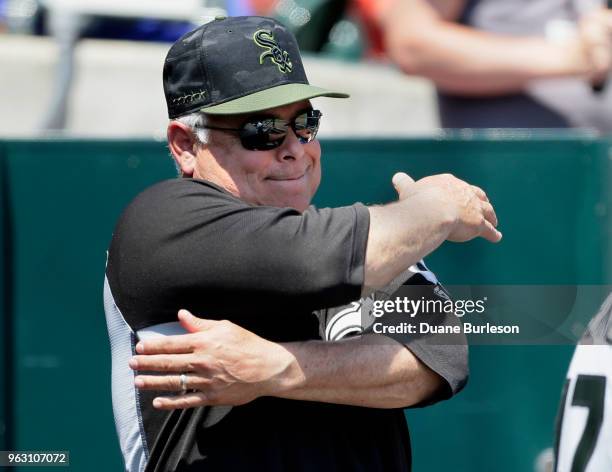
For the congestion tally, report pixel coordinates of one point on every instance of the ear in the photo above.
(183, 146)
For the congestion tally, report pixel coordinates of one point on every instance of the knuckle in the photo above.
(225, 324)
(212, 398)
(200, 398)
(198, 339)
(195, 383)
(448, 179)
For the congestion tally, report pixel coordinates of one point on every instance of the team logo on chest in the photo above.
(265, 39)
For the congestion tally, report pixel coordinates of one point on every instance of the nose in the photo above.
(291, 149)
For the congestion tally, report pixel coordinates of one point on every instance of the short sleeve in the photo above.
(447, 355)
(191, 242)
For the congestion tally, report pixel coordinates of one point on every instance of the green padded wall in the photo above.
(66, 197)
(552, 198)
(4, 306)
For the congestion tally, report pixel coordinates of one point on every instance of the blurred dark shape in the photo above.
(21, 16)
(311, 20)
(600, 87)
(330, 27)
(2, 16)
(508, 111)
(136, 29)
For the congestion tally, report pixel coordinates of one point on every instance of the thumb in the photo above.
(402, 182)
(193, 323)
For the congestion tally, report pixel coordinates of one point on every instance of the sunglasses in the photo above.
(262, 133)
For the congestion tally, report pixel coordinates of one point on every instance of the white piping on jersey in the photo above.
(126, 404)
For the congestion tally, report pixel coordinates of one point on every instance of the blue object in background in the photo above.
(239, 8)
(147, 29)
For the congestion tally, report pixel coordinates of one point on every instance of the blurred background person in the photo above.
(68, 66)
(505, 63)
(492, 63)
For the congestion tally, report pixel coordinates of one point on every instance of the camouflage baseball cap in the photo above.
(236, 65)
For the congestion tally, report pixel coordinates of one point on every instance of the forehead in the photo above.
(285, 112)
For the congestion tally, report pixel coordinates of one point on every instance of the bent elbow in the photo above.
(420, 390)
(432, 387)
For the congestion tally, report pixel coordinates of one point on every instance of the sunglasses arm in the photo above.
(218, 128)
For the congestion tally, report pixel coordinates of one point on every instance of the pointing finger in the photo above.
(489, 213)
(490, 233)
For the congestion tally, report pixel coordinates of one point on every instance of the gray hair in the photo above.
(195, 121)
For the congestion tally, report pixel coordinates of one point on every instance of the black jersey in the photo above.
(187, 243)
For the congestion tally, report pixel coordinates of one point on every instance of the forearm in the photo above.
(400, 235)
(477, 63)
(370, 371)
(466, 61)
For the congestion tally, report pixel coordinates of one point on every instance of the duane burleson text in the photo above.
(426, 328)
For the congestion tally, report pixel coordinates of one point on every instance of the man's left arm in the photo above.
(228, 365)
(370, 370)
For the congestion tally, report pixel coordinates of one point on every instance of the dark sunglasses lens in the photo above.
(306, 125)
(269, 133)
(262, 134)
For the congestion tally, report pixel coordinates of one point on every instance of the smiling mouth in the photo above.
(283, 179)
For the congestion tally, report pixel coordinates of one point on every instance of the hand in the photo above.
(224, 363)
(466, 207)
(591, 49)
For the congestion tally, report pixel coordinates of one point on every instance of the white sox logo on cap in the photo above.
(278, 56)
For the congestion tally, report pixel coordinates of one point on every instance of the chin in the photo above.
(302, 207)
(299, 205)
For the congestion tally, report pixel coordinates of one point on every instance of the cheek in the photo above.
(315, 154)
(316, 179)
(248, 165)
(258, 164)
(314, 150)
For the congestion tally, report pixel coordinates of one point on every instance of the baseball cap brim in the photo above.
(271, 98)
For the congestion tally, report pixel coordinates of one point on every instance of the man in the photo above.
(506, 63)
(236, 239)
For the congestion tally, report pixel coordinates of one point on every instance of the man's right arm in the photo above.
(184, 243)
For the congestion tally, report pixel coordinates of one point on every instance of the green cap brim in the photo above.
(271, 98)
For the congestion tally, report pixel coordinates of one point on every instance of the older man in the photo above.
(237, 239)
